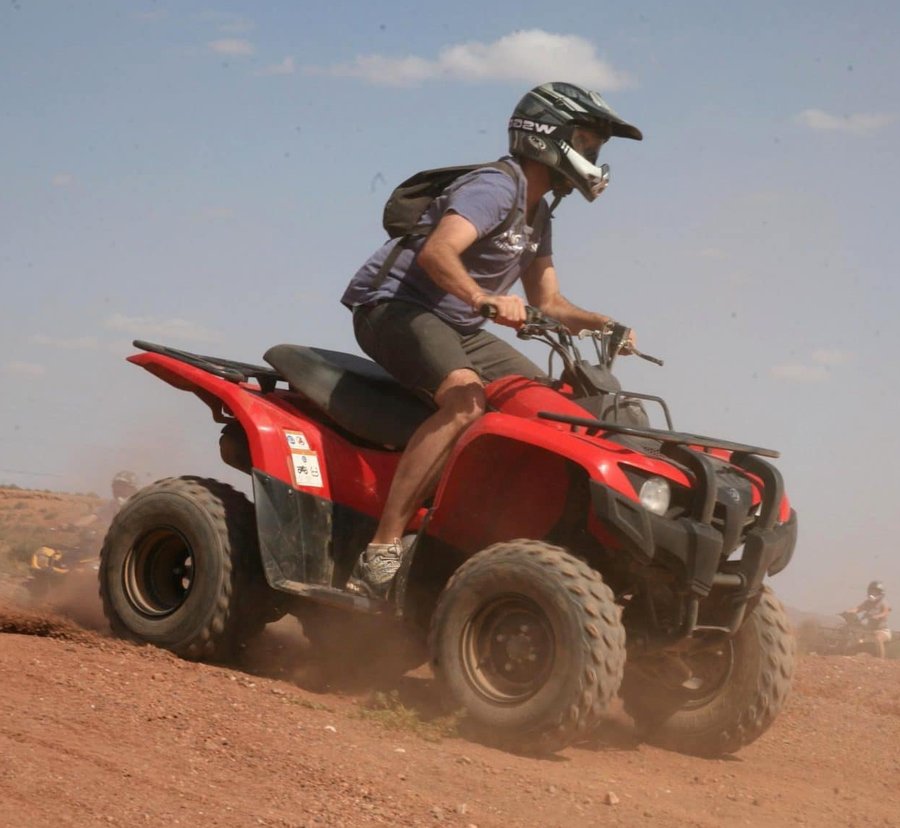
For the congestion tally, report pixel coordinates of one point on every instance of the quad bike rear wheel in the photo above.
(527, 640)
(179, 566)
(731, 693)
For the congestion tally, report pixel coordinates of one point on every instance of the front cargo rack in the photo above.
(678, 437)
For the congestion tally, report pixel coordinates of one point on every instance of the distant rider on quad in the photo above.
(124, 485)
(420, 316)
(85, 537)
(874, 612)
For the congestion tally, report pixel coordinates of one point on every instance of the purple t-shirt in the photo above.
(484, 197)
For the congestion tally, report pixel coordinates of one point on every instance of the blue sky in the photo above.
(210, 175)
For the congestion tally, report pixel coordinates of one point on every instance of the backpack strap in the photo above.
(537, 230)
(421, 230)
(504, 225)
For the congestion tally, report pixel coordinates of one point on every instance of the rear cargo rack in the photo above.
(227, 369)
(678, 437)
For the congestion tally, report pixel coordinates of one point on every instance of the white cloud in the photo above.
(533, 56)
(859, 124)
(815, 369)
(80, 343)
(143, 327)
(232, 46)
(286, 67)
(831, 356)
(24, 369)
(62, 179)
(800, 372)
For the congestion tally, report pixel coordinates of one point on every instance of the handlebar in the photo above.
(534, 318)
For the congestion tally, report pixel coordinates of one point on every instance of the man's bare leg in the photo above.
(460, 401)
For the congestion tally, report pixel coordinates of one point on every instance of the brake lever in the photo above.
(653, 359)
(619, 341)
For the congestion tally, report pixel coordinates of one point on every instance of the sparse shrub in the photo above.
(387, 710)
(309, 705)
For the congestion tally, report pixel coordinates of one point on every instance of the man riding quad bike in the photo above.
(570, 553)
(870, 618)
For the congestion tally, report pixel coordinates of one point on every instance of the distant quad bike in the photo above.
(49, 567)
(570, 553)
(849, 638)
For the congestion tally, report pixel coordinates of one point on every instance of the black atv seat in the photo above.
(356, 393)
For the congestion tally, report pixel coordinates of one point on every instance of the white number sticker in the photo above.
(306, 469)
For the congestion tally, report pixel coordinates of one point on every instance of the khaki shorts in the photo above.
(420, 350)
(882, 635)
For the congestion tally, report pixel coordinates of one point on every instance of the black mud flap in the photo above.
(308, 545)
(295, 532)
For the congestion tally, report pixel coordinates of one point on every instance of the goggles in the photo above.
(587, 142)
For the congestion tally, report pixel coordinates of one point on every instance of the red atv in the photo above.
(570, 553)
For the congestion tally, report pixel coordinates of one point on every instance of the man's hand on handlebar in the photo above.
(504, 310)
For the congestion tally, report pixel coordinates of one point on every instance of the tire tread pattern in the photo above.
(602, 638)
(739, 724)
(233, 520)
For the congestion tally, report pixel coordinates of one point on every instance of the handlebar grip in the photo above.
(532, 315)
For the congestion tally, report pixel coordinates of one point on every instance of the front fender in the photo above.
(510, 477)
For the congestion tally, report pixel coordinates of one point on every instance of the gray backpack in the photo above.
(409, 201)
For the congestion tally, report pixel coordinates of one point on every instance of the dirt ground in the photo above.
(96, 731)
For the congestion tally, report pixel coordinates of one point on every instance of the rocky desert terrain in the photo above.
(96, 732)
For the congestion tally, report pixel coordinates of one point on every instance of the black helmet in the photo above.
(875, 589)
(544, 127)
(124, 485)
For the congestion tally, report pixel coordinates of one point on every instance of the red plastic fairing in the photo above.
(508, 477)
(280, 437)
(523, 399)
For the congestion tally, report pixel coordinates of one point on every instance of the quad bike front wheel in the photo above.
(177, 566)
(729, 693)
(527, 640)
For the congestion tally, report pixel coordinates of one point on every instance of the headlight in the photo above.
(655, 495)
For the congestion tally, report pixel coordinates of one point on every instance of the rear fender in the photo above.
(275, 430)
(313, 537)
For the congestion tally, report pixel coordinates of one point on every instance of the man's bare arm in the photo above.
(542, 289)
(440, 259)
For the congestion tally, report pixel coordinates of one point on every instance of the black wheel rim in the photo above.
(508, 649)
(159, 572)
(711, 669)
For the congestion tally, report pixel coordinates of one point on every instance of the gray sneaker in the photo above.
(379, 565)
